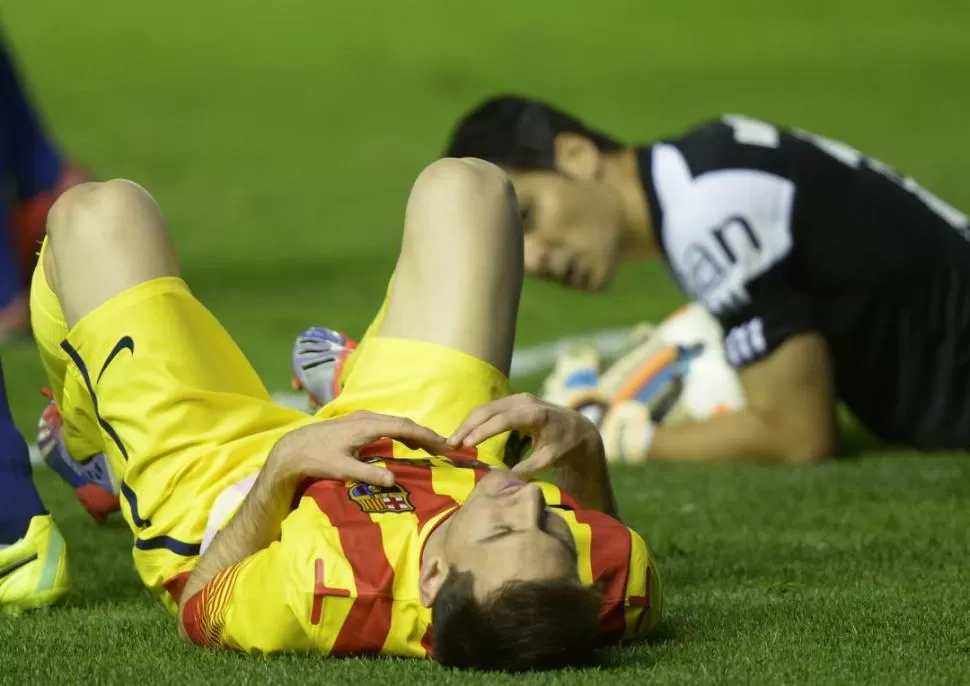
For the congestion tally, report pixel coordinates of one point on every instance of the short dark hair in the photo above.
(518, 133)
(521, 626)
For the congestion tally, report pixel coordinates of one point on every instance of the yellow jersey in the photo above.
(343, 578)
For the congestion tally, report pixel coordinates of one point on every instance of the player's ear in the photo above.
(434, 571)
(577, 156)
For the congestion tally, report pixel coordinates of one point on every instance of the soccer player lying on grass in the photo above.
(832, 276)
(331, 537)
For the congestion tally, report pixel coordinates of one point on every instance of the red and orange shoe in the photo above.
(90, 479)
(319, 355)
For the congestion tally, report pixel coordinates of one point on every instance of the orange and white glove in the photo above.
(627, 432)
(574, 383)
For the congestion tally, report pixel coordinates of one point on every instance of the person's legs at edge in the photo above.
(19, 498)
(34, 164)
(33, 558)
(13, 304)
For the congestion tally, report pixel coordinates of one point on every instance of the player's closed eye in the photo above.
(501, 532)
(497, 534)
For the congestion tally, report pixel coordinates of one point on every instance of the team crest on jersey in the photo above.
(376, 499)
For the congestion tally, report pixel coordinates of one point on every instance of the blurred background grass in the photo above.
(281, 140)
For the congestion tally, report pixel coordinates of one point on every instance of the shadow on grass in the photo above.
(110, 594)
(855, 440)
(614, 658)
(642, 654)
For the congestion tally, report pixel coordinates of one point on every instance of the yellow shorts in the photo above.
(156, 382)
(433, 385)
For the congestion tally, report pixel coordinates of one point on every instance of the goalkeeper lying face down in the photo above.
(390, 521)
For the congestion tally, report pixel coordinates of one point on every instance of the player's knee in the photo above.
(462, 194)
(465, 177)
(95, 209)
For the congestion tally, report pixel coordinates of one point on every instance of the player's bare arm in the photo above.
(328, 450)
(790, 416)
(562, 439)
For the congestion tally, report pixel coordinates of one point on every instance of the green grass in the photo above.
(281, 140)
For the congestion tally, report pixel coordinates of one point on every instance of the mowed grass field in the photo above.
(281, 140)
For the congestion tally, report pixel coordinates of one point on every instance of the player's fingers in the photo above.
(400, 429)
(542, 458)
(479, 416)
(522, 418)
(493, 426)
(485, 413)
(354, 470)
(346, 468)
(438, 446)
(527, 418)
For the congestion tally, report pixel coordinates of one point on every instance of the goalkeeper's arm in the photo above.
(789, 418)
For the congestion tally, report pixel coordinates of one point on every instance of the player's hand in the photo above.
(331, 449)
(559, 436)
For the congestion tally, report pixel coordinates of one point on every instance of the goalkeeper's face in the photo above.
(572, 227)
(506, 531)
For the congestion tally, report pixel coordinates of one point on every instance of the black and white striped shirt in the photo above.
(780, 232)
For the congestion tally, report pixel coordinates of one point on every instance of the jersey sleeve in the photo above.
(244, 608)
(616, 560)
(730, 212)
(643, 595)
(774, 312)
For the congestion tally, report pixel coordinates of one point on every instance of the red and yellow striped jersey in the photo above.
(343, 578)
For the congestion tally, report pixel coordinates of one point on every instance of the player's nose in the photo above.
(529, 506)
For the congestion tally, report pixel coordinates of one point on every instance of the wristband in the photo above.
(593, 410)
(627, 432)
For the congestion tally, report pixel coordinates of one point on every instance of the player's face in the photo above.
(505, 531)
(572, 227)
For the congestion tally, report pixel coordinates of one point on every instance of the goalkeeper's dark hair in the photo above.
(516, 132)
(522, 626)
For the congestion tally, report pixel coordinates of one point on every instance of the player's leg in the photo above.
(75, 450)
(33, 568)
(105, 238)
(149, 372)
(459, 275)
(461, 247)
(442, 343)
(69, 436)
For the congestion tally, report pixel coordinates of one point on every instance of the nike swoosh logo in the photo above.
(126, 343)
(17, 565)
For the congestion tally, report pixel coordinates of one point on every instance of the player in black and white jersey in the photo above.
(833, 276)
